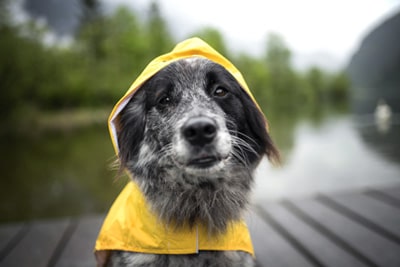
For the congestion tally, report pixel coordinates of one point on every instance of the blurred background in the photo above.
(327, 75)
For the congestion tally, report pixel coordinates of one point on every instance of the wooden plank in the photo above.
(390, 195)
(79, 249)
(10, 234)
(361, 241)
(393, 192)
(271, 248)
(381, 217)
(322, 248)
(37, 246)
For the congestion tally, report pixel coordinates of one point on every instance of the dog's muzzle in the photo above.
(200, 134)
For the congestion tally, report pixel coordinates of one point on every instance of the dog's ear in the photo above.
(256, 121)
(132, 123)
(102, 257)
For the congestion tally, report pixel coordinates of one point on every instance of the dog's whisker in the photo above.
(240, 153)
(246, 147)
(240, 157)
(242, 139)
(246, 144)
(247, 137)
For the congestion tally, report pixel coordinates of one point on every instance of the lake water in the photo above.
(68, 174)
(341, 153)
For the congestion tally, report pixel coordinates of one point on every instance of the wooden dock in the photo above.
(339, 230)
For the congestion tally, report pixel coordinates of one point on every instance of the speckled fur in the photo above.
(153, 149)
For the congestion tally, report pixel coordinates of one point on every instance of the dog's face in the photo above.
(195, 118)
(192, 129)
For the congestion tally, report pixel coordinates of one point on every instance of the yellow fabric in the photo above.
(131, 226)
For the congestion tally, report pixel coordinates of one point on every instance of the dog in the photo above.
(190, 134)
(191, 138)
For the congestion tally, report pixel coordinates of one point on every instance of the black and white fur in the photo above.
(192, 137)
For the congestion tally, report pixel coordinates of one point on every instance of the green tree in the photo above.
(256, 74)
(24, 63)
(126, 48)
(338, 87)
(282, 77)
(159, 38)
(92, 29)
(4, 13)
(315, 85)
(278, 54)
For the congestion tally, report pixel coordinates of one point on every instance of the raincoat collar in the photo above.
(131, 225)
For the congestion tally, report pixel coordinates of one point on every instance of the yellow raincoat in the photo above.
(130, 224)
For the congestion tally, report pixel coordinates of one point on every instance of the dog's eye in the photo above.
(220, 92)
(164, 100)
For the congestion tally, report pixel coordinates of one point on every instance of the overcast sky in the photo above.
(325, 32)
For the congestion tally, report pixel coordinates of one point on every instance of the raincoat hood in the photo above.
(130, 224)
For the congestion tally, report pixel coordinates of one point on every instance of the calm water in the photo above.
(68, 174)
(57, 175)
(341, 153)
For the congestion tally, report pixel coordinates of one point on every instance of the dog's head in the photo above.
(194, 119)
(191, 137)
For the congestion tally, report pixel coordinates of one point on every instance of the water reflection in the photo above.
(383, 137)
(56, 175)
(339, 154)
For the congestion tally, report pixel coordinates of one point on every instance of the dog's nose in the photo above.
(199, 131)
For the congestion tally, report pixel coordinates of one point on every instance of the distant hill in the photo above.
(375, 68)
